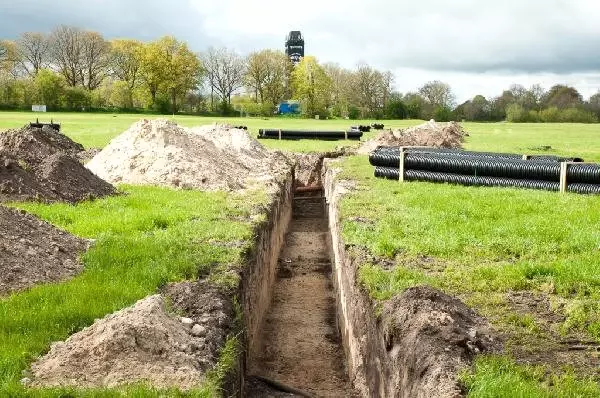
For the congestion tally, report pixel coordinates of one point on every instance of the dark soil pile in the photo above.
(33, 251)
(430, 336)
(41, 164)
(35, 144)
(144, 343)
(439, 135)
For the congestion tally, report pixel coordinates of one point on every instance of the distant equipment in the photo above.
(294, 46)
(288, 107)
(39, 125)
(38, 108)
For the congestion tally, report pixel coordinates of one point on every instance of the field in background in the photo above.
(96, 130)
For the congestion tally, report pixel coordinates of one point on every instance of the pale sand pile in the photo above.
(215, 157)
(439, 135)
(139, 343)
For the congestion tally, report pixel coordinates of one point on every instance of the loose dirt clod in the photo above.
(40, 164)
(159, 152)
(430, 336)
(33, 251)
(440, 135)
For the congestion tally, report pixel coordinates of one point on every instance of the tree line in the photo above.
(75, 69)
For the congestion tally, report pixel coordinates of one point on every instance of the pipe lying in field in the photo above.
(419, 175)
(483, 166)
(395, 152)
(308, 134)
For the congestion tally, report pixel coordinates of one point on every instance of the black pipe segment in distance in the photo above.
(296, 138)
(310, 134)
(418, 175)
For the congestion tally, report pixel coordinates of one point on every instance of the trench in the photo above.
(298, 348)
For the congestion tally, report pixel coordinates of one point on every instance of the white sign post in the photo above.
(38, 108)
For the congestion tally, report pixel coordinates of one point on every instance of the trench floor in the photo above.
(300, 342)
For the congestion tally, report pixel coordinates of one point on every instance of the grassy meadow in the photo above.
(480, 244)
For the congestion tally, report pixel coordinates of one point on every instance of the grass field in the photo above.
(484, 245)
(96, 130)
(144, 239)
(481, 244)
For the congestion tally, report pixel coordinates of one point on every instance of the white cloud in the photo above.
(477, 46)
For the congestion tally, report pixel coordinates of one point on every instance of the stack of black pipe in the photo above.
(308, 134)
(485, 169)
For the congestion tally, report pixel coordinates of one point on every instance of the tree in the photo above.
(168, 65)
(341, 90)
(66, 43)
(267, 73)
(370, 90)
(562, 97)
(395, 107)
(94, 52)
(437, 94)
(34, 52)
(8, 57)
(183, 69)
(125, 64)
(50, 88)
(478, 109)
(311, 86)
(594, 104)
(225, 70)
(415, 105)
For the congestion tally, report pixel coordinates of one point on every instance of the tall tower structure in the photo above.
(294, 46)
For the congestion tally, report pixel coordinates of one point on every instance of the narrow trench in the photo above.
(300, 345)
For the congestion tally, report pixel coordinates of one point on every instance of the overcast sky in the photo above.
(477, 46)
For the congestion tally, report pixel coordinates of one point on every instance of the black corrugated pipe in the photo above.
(308, 134)
(418, 175)
(473, 166)
(462, 153)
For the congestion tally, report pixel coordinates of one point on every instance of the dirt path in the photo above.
(301, 347)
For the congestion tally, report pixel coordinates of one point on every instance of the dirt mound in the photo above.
(308, 166)
(35, 144)
(40, 164)
(144, 343)
(430, 336)
(440, 135)
(33, 251)
(159, 152)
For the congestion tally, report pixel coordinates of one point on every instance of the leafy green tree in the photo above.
(50, 88)
(312, 86)
(395, 108)
(266, 75)
(562, 97)
(125, 64)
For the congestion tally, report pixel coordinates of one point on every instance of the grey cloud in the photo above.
(470, 36)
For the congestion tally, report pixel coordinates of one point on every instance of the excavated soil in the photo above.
(144, 343)
(215, 157)
(440, 135)
(33, 251)
(301, 346)
(42, 164)
(308, 167)
(429, 337)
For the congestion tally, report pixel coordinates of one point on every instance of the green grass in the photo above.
(481, 244)
(499, 377)
(97, 129)
(564, 138)
(144, 239)
(488, 239)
